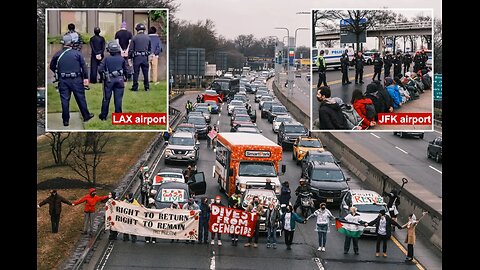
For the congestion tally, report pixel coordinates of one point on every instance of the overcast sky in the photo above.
(260, 17)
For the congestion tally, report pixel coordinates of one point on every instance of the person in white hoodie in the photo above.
(323, 216)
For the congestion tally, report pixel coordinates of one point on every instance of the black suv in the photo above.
(327, 182)
(316, 155)
(289, 132)
(266, 106)
(434, 149)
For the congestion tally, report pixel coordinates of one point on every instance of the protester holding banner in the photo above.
(255, 207)
(273, 218)
(54, 208)
(288, 225)
(91, 199)
(175, 205)
(150, 205)
(234, 202)
(352, 230)
(130, 199)
(113, 233)
(203, 221)
(218, 202)
(190, 205)
(383, 228)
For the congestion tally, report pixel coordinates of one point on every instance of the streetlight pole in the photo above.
(277, 59)
(288, 64)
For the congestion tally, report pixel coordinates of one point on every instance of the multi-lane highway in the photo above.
(304, 254)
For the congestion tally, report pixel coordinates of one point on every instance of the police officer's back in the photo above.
(113, 70)
(139, 50)
(71, 71)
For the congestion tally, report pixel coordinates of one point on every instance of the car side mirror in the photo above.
(339, 161)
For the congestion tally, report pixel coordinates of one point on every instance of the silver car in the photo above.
(182, 146)
(279, 119)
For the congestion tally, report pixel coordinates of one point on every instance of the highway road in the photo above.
(304, 254)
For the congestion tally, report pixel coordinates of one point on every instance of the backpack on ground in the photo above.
(351, 115)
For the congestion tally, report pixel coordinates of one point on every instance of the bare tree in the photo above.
(56, 143)
(437, 43)
(243, 42)
(87, 154)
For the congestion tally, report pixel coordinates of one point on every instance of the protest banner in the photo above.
(226, 220)
(164, 223)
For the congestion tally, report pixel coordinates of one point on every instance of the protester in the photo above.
(130, 199)
(190, 205)
(352, 217)
(402, 90)
(54, 208)
(384, 96)
(392, 89)
(203, 221)
(218, 201)
(411, 225)
(383, 228)
(393, 203)
(90, 199)
(235, 205)
(145, 189)
(329, 112)
(285, 196)
(288, 220)
(150, 205)
(268, 184)
(175, 205)
(323, 216)
(255, 207)
(272, 220)
(360, 104)
(113, 234)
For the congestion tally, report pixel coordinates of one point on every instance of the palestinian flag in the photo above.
(349, 228)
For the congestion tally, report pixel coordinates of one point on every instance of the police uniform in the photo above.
(345, 64)
(397, 65)
(407, 60)
(70, 68)
(387, 61)
(322, 71)
(139, 50)
(97, 44)
(114, 69)
(359, 63)
(418, 62)
(377, 66)
(77, 41)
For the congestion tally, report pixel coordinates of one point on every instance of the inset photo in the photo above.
(372, 70)
(107, 70)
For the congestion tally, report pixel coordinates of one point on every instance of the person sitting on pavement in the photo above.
(329, 112)
(360, 103)
(392, 89)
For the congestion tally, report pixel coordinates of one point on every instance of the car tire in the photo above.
(437, 158)
(428, 154)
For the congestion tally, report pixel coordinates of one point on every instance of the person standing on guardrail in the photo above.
(411, 225)
(323, 216)
(130, 199)
(203, 221)
(91, 200)
(54, 208)
(383, 228)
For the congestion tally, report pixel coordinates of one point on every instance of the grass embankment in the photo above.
(121, 153)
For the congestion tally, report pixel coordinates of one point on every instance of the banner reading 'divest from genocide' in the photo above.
(160, 223)
(231, 221)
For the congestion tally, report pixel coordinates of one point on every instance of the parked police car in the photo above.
(368, 204)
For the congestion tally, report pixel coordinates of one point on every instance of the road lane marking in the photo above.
(212, 260)
(107, 253)
(374, 135)
(404, 251)
(435, 169)
(350, 79)
(213, 172)
(401, 150)
(218, 122)
(319, 263)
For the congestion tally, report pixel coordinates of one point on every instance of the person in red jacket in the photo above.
(91, 199)
(359, 103)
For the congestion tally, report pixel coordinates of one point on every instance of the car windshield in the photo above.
(220, 85)
(170, 175)
(172, 195)
(202, 109)
(279, 109)
(181, 141)
(210, 92)
(197, 120)
(294, 129)
(369, 208)
(266, 169)
(247, 130)
(236, 102)
(283, 119)
(310, 143)
(327, 175)
(261, 93)
(188, 129)
(266, 98)
(267, 105)
(243, 118)
(240, 111)
(322, 158)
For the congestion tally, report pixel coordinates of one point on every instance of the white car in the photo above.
(368, 204)
(169, 175)
(232, 105)
(263, 99)
(279, 119)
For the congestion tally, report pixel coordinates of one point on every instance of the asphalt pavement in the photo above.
(304, 254)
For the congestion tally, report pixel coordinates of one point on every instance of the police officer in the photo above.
(377, 66)
(97, 44)
(397, 65)
(70, 70)
(407, 60)
(76, 38)
(387, 62)
(322, 69)
(424, 58)
(114, 70)
(345, 62)
(417, 59)
(139, 50)
(359, 62)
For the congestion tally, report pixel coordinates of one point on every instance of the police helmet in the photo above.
(67, 40)
(140, 26)
(113, 47)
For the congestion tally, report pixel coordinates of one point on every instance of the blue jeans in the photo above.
(322, 234)
(271, 235)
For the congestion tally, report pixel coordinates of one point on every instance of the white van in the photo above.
(332, 56)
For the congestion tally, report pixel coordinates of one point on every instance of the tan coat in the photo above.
(259, 209)
(410, 239)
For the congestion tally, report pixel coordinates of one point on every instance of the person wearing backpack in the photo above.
(365, 108)
(329, 112)
(351, 116)
(385, 96)
(393, 91)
